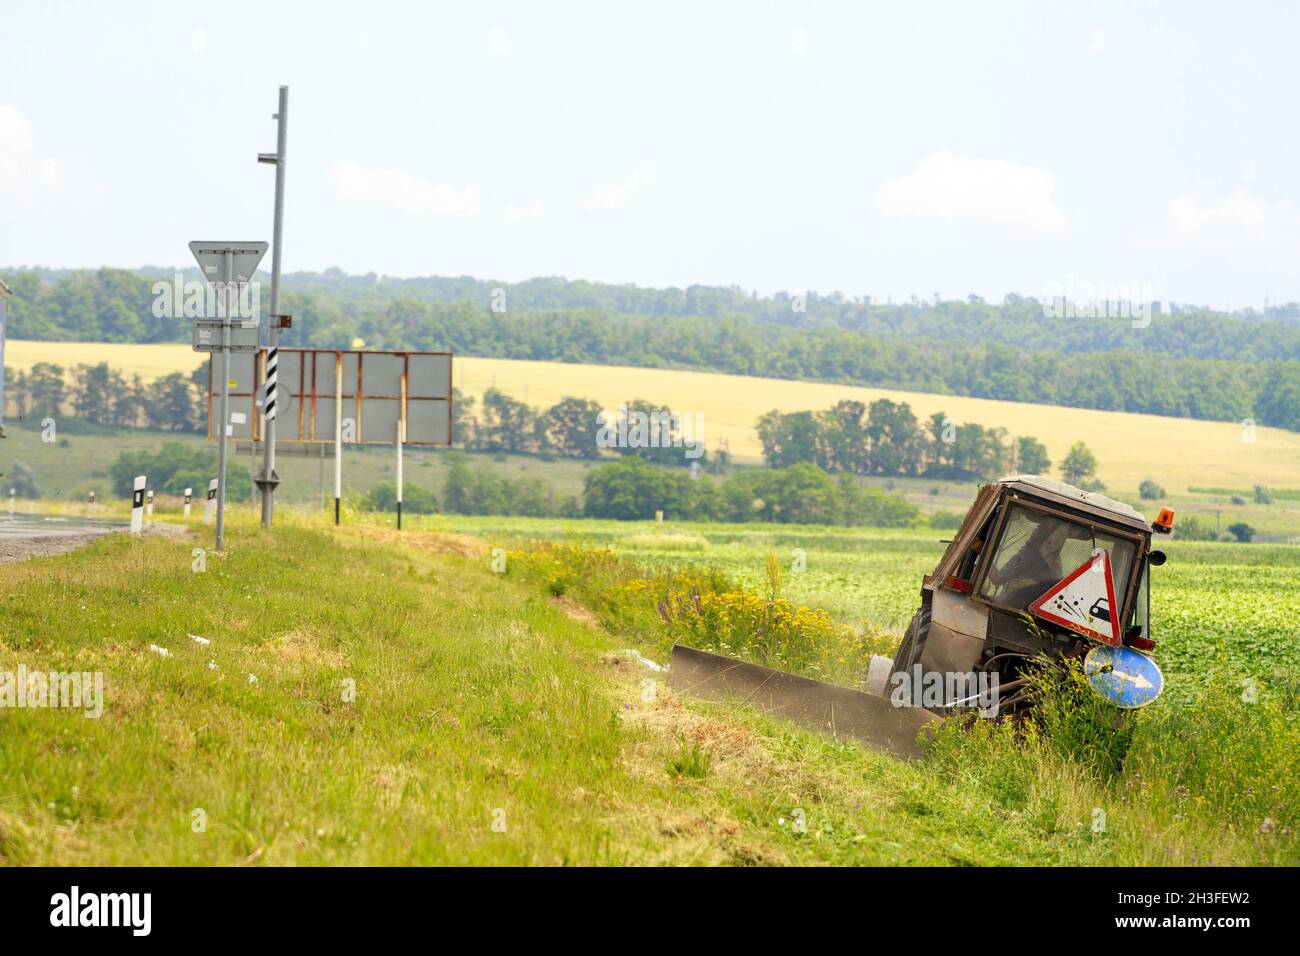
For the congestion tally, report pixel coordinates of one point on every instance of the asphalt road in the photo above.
(27, 536)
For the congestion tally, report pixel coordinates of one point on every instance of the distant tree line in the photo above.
(104, 396)
(477, 491)
(885, 438)
(633, 489)
(173, 468)
(1195, 364)
(570, 429)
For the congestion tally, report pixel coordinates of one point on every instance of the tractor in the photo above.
(1039, 569)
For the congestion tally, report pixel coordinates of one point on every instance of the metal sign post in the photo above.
(338, 434)
(267, 479)
(401, 437)
(235, 262)
(327, 397)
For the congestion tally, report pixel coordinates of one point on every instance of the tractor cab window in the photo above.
(1037, 550)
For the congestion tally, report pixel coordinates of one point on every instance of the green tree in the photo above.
(173, 468)
(1031, 456)
(22, 480)
(92, 399)
(633, 489)
(172, 404)
(788, 439)
(507, 423)
(802, 494)
(570, 426)
(1079, 464)
(416, 499)
(1242, 532)
(895, 437)
(1149, 490)
(47, 389)
(844, 436)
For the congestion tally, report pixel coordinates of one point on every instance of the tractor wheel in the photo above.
(913, 641)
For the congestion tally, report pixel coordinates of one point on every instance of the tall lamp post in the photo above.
(267, 479)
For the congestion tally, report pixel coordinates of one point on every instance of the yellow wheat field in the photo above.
(1176, 452)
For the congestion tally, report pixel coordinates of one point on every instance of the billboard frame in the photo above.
(319, 381)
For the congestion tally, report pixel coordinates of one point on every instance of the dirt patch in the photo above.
(163, 529)
(433, 542)
(736, 753)
(302, 648)
(572, 609)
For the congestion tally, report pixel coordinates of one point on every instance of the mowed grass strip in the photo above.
(480, 700)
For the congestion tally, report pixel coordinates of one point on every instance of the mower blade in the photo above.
(826, 708)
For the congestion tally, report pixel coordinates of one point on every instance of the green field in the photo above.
(1217, 609)
(496, 722)
(78, 462)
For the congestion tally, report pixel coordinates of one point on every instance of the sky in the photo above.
(884, 149)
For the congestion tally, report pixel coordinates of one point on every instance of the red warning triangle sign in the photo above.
(1084, 601)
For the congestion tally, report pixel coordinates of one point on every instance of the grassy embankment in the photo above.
(485, 698)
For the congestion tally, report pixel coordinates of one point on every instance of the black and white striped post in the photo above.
(267, 479)
(189, 496)
(211, 503)
(272, 373)
(137, 504)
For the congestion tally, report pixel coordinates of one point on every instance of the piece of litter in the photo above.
(160, 651)
(199, 640)
(636, 655)
(252, 679)
(212, 665)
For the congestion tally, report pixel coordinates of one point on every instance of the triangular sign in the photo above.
(211, 257)
(1084, 601)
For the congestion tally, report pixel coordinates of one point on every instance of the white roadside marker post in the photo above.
(401, 437)
(137, 504)
(12, 493)
(148, 505)
(211, 504)
(189, 496)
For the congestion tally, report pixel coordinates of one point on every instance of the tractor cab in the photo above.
(1037, 568)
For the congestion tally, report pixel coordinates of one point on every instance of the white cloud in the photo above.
(405, 192)
(990, 192)
(607, 196)
(18, 155)
(1236, 225)
(531, 211)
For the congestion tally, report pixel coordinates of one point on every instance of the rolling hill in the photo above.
(1179, 453)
